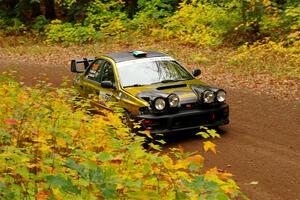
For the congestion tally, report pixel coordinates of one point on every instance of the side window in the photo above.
(94, 72)
(108, 72)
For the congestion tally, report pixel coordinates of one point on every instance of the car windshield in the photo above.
(149, 71)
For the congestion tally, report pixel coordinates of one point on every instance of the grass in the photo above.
(270, 58)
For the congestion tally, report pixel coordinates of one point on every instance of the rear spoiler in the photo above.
(76, 65)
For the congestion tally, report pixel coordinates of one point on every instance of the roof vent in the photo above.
(139, 54)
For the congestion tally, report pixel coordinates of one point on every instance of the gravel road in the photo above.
(260, 145)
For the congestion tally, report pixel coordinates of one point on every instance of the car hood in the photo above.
(187, 91)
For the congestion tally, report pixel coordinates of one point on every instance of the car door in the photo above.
(92, 77)
(100, 70)
(107, 74)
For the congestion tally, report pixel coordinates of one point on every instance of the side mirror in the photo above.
(196, 72)
(79, 66)
(75, 68)
(107, 84)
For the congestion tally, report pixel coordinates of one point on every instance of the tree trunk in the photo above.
(131, 7)
(43, 7)
(36, 11)
(50, 9)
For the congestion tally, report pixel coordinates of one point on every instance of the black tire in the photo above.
(127, 119)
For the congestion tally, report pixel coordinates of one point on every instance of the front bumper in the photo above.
(186, 120)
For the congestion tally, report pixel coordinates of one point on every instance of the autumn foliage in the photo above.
(50, 150)
(197, 22)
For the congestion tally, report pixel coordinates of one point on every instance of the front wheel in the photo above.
(127, 119)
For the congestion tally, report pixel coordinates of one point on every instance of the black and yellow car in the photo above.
(153, 88)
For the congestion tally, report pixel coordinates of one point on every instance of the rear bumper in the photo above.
(187, 120)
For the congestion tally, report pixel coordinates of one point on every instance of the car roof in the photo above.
(126, 56)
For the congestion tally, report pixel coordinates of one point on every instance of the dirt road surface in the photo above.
(260, 145)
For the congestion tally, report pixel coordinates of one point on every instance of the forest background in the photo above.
(197, 22)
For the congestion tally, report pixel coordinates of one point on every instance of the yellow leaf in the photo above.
(57, 194)
(213, 133)
(136, 125)
(212, 171)
(213, 175)
(225, 175)
(61, 142)
(147, 133)
(168, 162)
(197, 159)
(227, 189)
(209, 146)
(181, 164)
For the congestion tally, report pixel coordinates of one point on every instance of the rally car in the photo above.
(153, 88)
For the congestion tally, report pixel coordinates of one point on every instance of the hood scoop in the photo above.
(171, 86)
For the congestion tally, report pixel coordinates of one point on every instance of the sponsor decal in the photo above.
(106, 96)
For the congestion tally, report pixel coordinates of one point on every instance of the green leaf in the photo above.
(210, 186)
(2, 186)
(181, 194)
(154, 146)
(203, 134)
(194, 166)
(5, 137)
(23, 171)
(147, 168)
(65, 136)
(109, 193)
(56, 180)
(222, 196)
(64, 184)
(213, 133)
(73, 165)
(83, 182)
(161, 141)
(104, 156)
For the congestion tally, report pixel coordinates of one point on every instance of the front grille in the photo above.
(188, 118)
(197, 120)
(157, 124)
(197, 105)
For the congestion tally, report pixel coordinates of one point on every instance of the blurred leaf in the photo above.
(209, 146)
(64, 184)
(104, 156)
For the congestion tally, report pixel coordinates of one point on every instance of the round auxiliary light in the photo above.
(221, 96)
(160, 104)
(173, 101)
(208, 96)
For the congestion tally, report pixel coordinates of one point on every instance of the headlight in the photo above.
(160, 104)
(173, 100)
(208, 96)
(221, 96)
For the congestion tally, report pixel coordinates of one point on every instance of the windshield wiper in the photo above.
(169, 81)
(135, 85)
